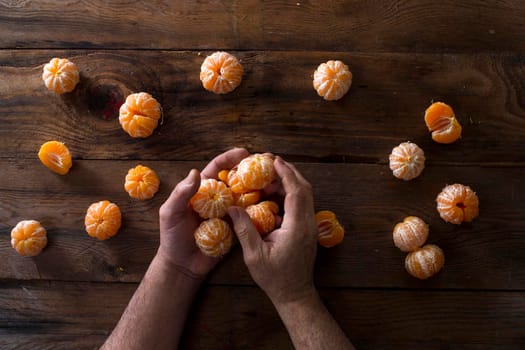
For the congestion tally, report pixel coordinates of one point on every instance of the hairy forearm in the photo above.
(155, 315)
(310, 325)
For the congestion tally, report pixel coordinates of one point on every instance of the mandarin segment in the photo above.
(410, 234)
(332, 80)
(425, 262)
(141, 182)
(140, 114)
(457, 203)
(28, 238)
(331, 232)
(103, 220)
(214, 237)
(407, 161)
(221, 73)
(263, 216)
(212, 199)
(442, 122)
(55, 156)
(60, 75)
(246, 199)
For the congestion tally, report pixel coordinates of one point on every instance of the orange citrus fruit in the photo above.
(140, 114)
(56, 156)
(457, 203)
(103, 220)
(410, 234)
(246, 199)
(60, 75)
(442, 122)
(407, 161)
(212, 199)
(28, 238)
(263, 216)
(221, 73)
(141, 182)
(425, 262)
(255, 172)
(332, 80)
(331, 232)
(214, 237)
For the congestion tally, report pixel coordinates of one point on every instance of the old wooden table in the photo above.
(404, 54)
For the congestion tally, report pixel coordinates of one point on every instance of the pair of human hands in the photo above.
(281, 263)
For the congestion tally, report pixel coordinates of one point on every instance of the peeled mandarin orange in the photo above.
(263, 216)
(140, 114)
(246, 199)
(103, 220)
(60, 75)
(425, 262)
(212, 199)
(56, 156)
(441, 121)
(331, 232)
(214, 237)
(221, 73)
(256, 172)
(457, 203)
(410, 234)
(141, 182)
(332, 80)
(28, 238)
(407, 161)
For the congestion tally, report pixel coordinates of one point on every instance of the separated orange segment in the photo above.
(457, 203)
(407, 161)
(425, 262)
(212, 199)
(332, 80)
(141, 182)
(442, 122)
(60, 75)
(28, 238)
(263, 216)
(56, 156)
(140, 114)
(103, 220)
(214, 237)
(221, 73)
(246, 199)
(331, 232)
(410, 234)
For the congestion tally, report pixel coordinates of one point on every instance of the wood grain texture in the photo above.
(402, 26)
(56, 315)
(367, 257)
(275, 108)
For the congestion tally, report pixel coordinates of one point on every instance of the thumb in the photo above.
(247, 234)
(177, 202)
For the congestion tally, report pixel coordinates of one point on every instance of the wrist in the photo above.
(304, 296)
(173, 271)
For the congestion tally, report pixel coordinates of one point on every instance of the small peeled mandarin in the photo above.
(254, 172)
(425, 262)
(457, 203)
(214, 237)
(60, 75)
(263, 216)
(331, 232)
(28, 238)
(407, 161)
(410, 234)
(141, 182)
(332, 80)
(56, 156)
(212, 199)
(441, 121)
(221, 73)
(140, 114)
(103, 220)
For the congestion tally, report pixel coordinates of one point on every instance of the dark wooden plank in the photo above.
(62, 315)
(367, 198)
(304, 25)
(275, 109)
